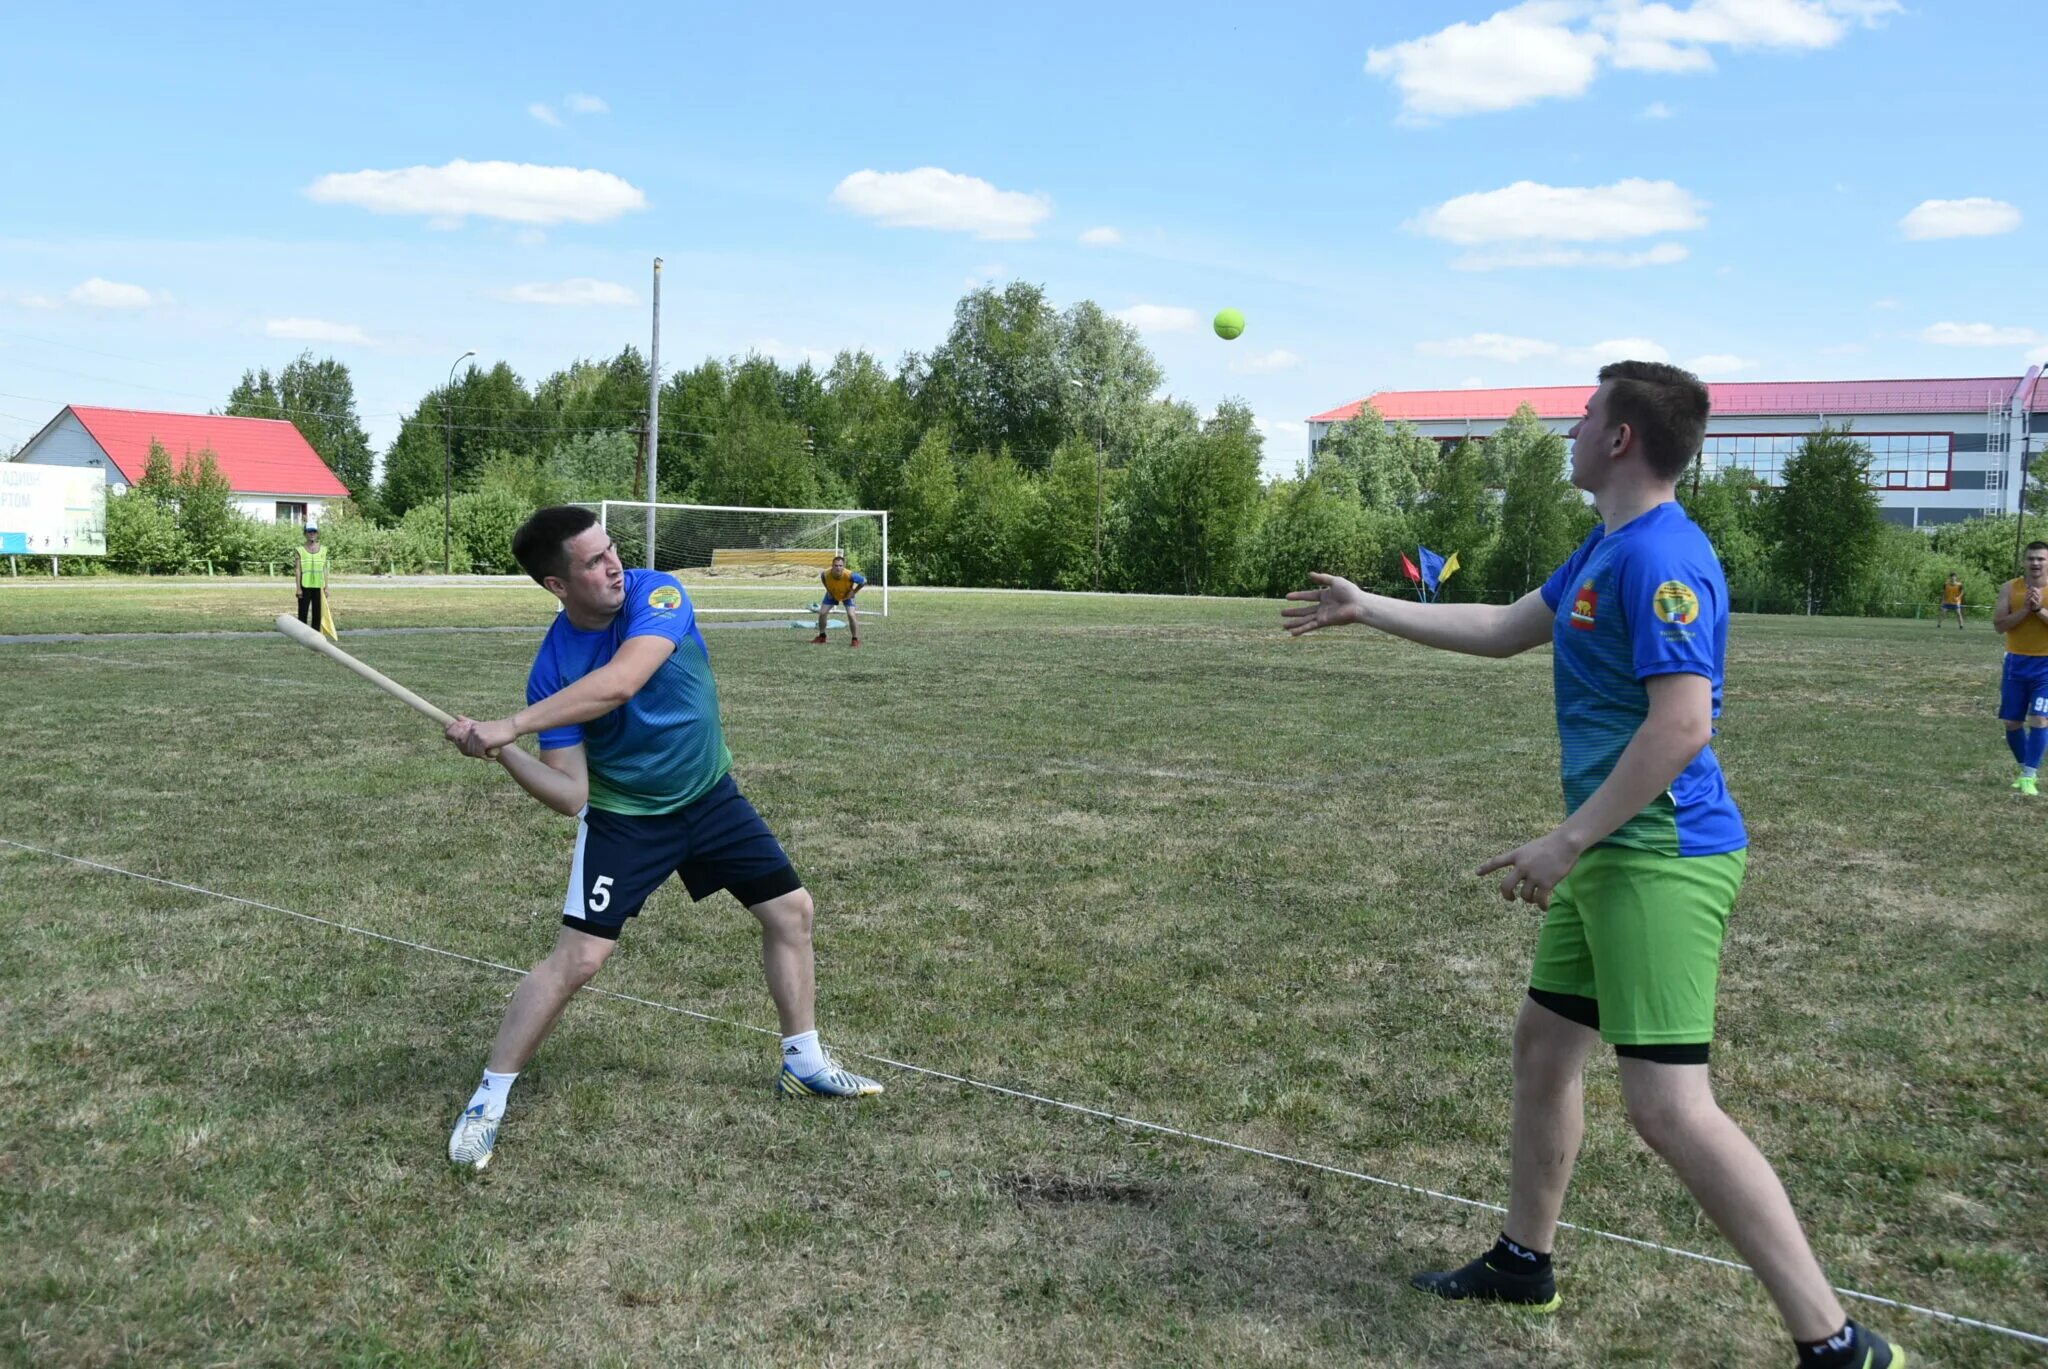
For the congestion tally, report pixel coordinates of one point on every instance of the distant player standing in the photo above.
(1639, 878)
(1951, 600)
(312, 576)
(622, 696)
(840, 585)
(2023, 695)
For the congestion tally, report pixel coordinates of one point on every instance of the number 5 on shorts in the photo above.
(601, 894)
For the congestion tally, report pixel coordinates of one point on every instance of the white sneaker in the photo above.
(475, 1138)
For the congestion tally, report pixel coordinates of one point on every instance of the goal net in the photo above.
(745, 560)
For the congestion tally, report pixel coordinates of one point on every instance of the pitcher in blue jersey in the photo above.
(626, 710)
(1639, 878)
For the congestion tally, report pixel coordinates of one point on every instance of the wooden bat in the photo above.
(311, 639)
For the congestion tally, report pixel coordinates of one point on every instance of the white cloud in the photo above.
(1555, 49)
(1160, 318)
(317, 330)
(1715, 364)
(791, 356)
(1513, 351)
(1516, 57)
(1980, 335)
(40, 302)
(1663, 254)
(1886, 303)
(1976, 217)
(1528, 210)
(1656, 109)
(97, 293)
(516, 191)
(576, 290)
(1104, 236)
(1265, 363)
(1620, 349)
(1491, 346)
(933, 198)
(586, 104)
(544, 113)
(2038, 357)
(1472, 383)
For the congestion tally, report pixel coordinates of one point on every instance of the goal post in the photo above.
(737, 559)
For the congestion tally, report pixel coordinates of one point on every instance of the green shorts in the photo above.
(1640, 935)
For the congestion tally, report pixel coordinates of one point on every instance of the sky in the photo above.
(1412, 196)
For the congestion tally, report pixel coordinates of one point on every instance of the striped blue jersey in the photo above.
(1646, 599)
(664, 747)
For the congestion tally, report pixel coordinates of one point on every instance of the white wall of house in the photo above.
(67, 443)
(264, 508)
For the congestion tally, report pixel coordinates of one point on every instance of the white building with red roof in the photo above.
(1942, 450)
(274, 472)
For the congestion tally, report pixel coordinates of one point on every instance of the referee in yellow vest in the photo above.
(312, 577)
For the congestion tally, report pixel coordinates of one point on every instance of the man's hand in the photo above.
(2033, 599)
(480, 740)
(1535, 869)
(1335, 603)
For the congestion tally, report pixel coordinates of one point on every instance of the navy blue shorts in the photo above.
(2025, 687)
(718, 842)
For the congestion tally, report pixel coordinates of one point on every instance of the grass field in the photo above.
(1143, 855)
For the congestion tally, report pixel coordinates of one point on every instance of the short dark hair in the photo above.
(541, 544)
(2037, 546)
(1667, 407)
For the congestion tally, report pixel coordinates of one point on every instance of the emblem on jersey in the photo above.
(667, 596)
(1676, 603)
(1584, 604)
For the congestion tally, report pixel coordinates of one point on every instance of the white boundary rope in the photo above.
(1135, 1123)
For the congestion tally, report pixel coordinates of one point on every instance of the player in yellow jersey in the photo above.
(841, 585)
(1951, 600)
(2023, 697)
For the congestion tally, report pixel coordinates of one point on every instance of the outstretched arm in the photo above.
(1474, 629)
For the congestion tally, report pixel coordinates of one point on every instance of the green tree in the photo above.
(1389, 467)
(1824, 520)
(1110, 377)
(1457, 514)
(758, 459)
(319, 399)
(996, 381)
(143, 536)
(924, 514)
(1315, 523)
(1067, 537)
(593, 466)
(1190, 505)
(485, 411)
(207, 515)
(1731, 510)
(989, 536)
(1542, 516)
(865, 428)
(159, 483)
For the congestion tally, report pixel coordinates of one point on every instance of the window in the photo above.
(290, 513)
(1898, 461)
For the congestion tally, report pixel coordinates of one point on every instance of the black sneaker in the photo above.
(1878, 1353)
(1481, 1282)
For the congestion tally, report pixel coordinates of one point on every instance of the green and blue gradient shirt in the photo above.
(1647, 599)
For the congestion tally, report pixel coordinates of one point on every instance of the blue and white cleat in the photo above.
(475, 1138)
(829, 1082)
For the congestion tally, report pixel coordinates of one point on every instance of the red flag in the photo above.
(1408, 569)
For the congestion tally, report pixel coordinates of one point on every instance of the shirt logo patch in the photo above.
(1584, 604)
(667, 596)
(1676, 603)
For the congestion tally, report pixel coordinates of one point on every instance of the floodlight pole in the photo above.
(653, 414)
(448, 466)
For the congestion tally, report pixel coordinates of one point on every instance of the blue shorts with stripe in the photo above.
(2024, 689)
(718, 842)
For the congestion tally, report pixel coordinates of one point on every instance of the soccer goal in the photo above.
(760, 561)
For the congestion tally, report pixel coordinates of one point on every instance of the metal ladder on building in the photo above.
(1997, 457)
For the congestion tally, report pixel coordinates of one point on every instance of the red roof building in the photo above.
(1942, 449)
(273, 470)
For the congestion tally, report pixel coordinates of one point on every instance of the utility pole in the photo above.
(654, 415)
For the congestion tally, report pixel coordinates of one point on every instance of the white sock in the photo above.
(2029, 771)
(803, 1055)
(492, 1093)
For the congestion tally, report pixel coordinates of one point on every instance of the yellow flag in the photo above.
(327, 620)
(1450, 568)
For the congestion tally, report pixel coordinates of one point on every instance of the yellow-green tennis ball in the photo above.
(1229, 323)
